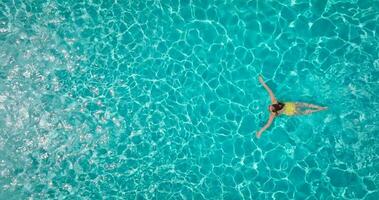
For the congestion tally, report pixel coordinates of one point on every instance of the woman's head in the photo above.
(276, 107)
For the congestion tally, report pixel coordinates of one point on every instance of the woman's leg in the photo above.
(307, 112)
(308, 105)
(306, 108)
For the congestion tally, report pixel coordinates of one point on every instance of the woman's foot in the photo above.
(323, 108)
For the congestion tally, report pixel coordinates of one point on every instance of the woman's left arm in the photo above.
(268, 124)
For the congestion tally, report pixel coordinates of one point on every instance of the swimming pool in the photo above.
(160, 99)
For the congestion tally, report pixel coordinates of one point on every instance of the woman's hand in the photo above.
(272, 96)
(260, 79)
(258, 134)
(268, 124)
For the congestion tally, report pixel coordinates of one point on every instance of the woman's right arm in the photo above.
(272, 96)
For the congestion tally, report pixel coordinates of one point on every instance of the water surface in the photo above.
(160, 99)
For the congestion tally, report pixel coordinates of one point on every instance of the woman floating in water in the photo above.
(288, 108)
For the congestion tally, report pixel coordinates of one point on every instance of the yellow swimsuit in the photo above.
(289, 108)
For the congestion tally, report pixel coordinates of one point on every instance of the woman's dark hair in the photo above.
(278, 106)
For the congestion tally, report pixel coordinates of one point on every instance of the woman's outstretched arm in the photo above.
(272, 96)
(268, 124)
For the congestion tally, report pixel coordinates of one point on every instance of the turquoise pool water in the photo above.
(160, 99)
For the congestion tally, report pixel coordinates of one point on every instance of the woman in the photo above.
(288, 108)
